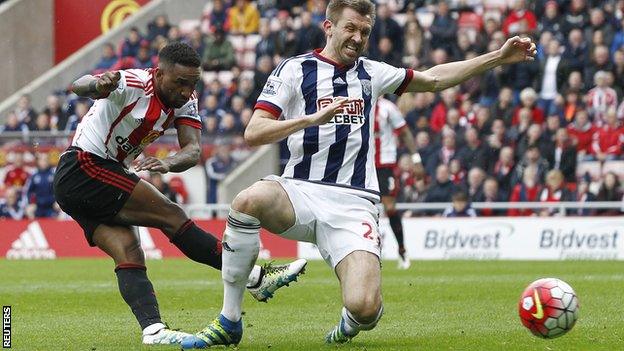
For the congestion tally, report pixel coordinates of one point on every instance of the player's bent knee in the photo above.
(365, 308)
(251, 201)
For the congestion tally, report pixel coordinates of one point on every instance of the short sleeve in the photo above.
(395, 117)
(188, 114)
(277, 91)
(390, 79)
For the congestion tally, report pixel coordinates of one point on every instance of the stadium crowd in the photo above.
(550, 130)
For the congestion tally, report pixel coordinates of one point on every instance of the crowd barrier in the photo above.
(426, 238)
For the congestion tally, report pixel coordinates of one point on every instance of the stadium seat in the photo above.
(591, 167)
(616, 167)
(186, 26)
(238, 42)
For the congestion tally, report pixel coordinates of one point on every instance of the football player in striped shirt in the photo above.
(94, 186)
(322, 103)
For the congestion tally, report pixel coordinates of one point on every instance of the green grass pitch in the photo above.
(449, 305)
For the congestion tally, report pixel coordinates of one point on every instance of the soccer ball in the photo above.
(548, 308)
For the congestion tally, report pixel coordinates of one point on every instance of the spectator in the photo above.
(38, 191)
(158, 27)
(228, 125)
(16, 174)
(159, 183)
(108, 59)
(571, 105)
(443, 29)
(309, 36)
(144, 59)
(518, 131)
(532, 158)
(554, 191)
(601, 61)
(528, 98)
(219, 53)
(564, 156)
(608, 139)
(438, 115)
(553, 73)
(497, 140)
(386, 53)
(534, 138)
(618, 38)
(285, 36)
(457, 173)
(503, 171)
(610, 190)
(444, 154)
(11, 206)
(413, 43)
(25, 112)
(474, 188)
(597, 23)
(582, 132)
(575, 17)
(551, 21)
(211, 125)
(520, 20)
(217, 168)
(521, 76)
(266, 45)
(460, 206)
(243, 18)
(217, 18)
(54, 109)
(132, 43)
(527, 190)
(601, 98)
(42, 123)
(584, 195)
(174, 34)
(13, 124)
(503, 109)
(618, 77)
(490, 194)
(473, 153)
(196, 39)
(576, 50)
(261, 74)
(442, 189)
(80, 111)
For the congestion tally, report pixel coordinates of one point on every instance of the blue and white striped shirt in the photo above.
(340, 152)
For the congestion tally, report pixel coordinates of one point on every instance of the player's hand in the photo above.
(107, 82)
(152, 164)
(518, 49)
(325, 114)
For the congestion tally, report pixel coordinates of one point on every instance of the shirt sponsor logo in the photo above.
(352, 113)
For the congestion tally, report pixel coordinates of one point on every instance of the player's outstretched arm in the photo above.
(263, 128)
(96, 87)
(444, 76)
(187, 157)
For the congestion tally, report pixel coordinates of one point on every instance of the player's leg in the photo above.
(148, 207)
(252, 208)
(122, 244)
(396, 224)
(360, 280)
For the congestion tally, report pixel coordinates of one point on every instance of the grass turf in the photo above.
(449, 305)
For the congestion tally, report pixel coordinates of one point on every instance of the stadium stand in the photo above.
(563, 112)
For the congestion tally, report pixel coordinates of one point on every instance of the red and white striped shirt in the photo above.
(388, 123)
(121, 125)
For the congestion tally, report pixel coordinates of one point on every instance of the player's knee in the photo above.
(365, 307)
(173, 217)
(250, 201)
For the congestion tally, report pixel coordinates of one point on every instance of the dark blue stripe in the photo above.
(278, 70)
(359, 171)
(310, 134)
(336, 153)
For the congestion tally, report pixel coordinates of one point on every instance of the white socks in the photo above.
(241, 244)
(352, 327)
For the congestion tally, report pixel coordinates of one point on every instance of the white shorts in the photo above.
(336, 222)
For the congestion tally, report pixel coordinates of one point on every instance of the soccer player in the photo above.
(388, 123)
(93, 184)
(322, 102)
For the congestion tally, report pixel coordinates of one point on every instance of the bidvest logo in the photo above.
(31, 244)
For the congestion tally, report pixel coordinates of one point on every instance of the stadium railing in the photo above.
(220, 210)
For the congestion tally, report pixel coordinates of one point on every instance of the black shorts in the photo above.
(91, 189)
(387, 183)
